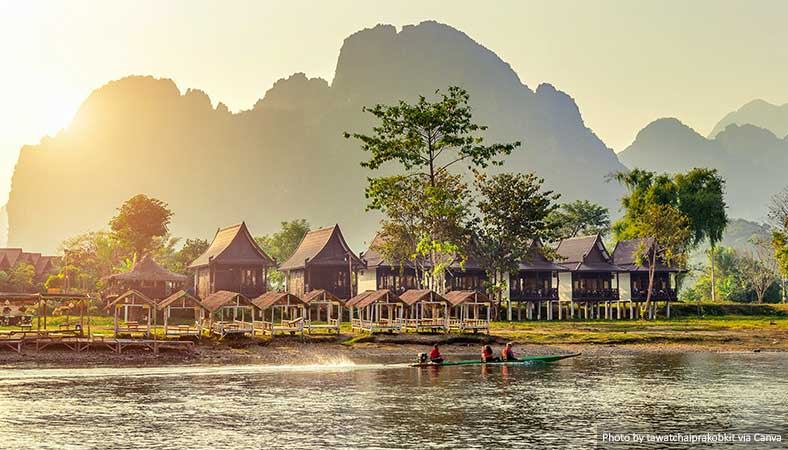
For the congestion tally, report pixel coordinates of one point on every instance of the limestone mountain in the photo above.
(759, 113)
(286, 158)
(753, 160)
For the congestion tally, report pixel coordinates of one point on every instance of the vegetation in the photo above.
(281, 245)
(140, 220)
(579, 218)
(19, 278)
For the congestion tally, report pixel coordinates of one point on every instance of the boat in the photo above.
(471, 362)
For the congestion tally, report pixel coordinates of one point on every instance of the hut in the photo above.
(133, 313)
(146, 277)
(182, 314)
(633, 287)
(468, 276)
(323, 260)
(233, 262)
(229, 313)
(373, 311)
(322, 303)
(535, 284)
(426, 310)
(381, 274)
(594, 277)
(27, 316)
(279, 312)
(470, 311)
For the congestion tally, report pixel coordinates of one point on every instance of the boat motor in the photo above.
(422, 358)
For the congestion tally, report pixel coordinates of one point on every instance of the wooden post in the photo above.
(667, 309)
(572, 308)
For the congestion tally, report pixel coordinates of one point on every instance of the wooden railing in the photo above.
(658, 295)
(533, 294)
(594, 294)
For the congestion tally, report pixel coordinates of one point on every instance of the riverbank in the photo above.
(717, 334)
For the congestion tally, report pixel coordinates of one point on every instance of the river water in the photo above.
(569, 404)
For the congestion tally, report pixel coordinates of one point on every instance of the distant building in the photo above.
(323, 260)
(634, 282)
(594, 275)
(148, 278)
(233, 262)
(43, 265)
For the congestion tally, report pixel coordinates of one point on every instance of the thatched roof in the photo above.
(233, 245)
(270, 299)
(147, 269)
(367, 298)
(325, 246)
(132, 297)
(625, 256)
(182, 296)
(586, 254)
(320, 295)
(460, 297)
(218, 299)
(413, 296)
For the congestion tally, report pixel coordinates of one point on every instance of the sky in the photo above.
(626, 63)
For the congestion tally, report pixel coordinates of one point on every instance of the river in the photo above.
(339, 404)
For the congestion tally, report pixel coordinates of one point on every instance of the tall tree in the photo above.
(513, 214)
(665, 236)
(139, 221)
(580, 217)
(191, 249)
(778, 219)
(425, 140)
(281, 245)
(759, 266)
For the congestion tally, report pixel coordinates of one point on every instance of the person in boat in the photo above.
(508, 353)
(435, 355)
(487, 355)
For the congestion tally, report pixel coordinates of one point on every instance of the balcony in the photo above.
(657, 295)
(594, 294)
(533, 294)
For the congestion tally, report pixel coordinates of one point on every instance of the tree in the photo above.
(580, 217)
(513, 214)
(19, 278)
(666, 235)
(426, 139)
(89, 257)
(139, 221)
(282, 244)
(191, 249)
(701, 194)
(778, 219)
(759, 266)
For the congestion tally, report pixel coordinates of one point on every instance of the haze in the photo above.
(626, 63)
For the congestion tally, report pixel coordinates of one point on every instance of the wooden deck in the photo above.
(368, 326)
(469, 325)
(80, 344)
(429, 325)
(332, 325)
(295, 326)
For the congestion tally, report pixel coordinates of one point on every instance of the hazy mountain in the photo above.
(752, 160)
(759, 113)
(3, 226)
(285, 158)
(739, 235)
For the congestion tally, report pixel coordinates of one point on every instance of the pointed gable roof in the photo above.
(325, 246)
(233, 245)
(625, 256)
(9, 257)
(586, 254)
(147, 269)
(537, 262)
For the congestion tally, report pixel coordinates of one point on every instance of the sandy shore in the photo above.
(285, 350)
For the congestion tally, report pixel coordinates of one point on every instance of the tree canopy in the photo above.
(578, 218)
(139, 221)
(282, 244)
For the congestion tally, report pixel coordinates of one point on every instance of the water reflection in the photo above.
(567, 404)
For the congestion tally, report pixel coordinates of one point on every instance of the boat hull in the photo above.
(471, 362)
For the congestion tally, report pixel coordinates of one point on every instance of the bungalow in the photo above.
(381, 274)
(634, 282)
(323, 260)
(147, 277)
(233, 262)
(594, 276)
(534, 284)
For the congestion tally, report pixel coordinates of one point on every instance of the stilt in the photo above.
(667, 309)
(618, 309)
(585, 306)
(519, 311)
(572, 308)
(538, 310)
(560, 311)
(631, 311)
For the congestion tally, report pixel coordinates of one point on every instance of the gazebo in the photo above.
(279, 312)
(427, 310)
(137, 311)
(182, 314)
(322, 300)
(228, 313)
(146, 277)
(470, 311)
(375, 311)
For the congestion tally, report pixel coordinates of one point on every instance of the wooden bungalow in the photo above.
(426, 310)
(229, 314)
(43, 265)
(469, 276)
(323, 260)
(594, 277)
(233, 262)
(374, 311)
(279, 312)
(182, 314)
(535, 285)
(469, 311)
(381, 274)
(634, 282)
(321, 304)
(133, 313)
(146, 277)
